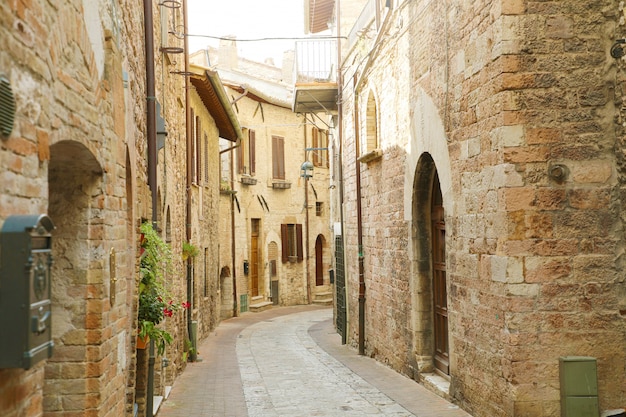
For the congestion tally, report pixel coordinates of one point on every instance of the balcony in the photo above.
(315, 76)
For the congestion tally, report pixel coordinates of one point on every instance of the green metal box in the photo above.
(579, 386)
(25, 307)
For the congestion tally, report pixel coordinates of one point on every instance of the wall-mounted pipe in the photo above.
(152, 160)
(189, 155)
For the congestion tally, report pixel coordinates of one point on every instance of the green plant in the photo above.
(189, 250)
(189, 347)
(156, 260)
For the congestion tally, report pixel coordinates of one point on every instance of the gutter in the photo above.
(152, 161)
(358, 82)
(189, 159)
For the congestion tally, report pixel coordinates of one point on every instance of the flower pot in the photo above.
(142, 342)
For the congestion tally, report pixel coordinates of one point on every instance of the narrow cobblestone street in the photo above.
(290, 362)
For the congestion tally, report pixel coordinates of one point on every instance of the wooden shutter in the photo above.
(299, 242)
(284, 242)
(206, 158)
(192, 143)
(252, 137)
(278, 157)
(325, 144)
(240, 161)
(316, 144)
(198, 150)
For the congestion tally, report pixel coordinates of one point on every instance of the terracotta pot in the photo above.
(142, 342)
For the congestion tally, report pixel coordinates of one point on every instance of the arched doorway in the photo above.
(226, 292)
(319, 260)
(429, 295)
(74, 185)
(440, 294)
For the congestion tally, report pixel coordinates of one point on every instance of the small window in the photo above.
(319, 207)
(291, 236)
(278, 157)
(246, 157)
(320, 140)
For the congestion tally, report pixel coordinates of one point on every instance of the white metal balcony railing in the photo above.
(316, 61)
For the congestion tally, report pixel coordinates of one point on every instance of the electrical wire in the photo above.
(226, 38)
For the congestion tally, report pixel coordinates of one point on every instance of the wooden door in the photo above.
(254, 258)
(319, 264)
(440, 295)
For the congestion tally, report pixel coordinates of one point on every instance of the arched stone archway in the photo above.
(226, 293)
(78, 288)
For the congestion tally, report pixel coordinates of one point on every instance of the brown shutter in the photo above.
(281, 158)
(192, 143)
(206, 158)
(252, 152)
(325, 144)
(278, 157)
(299, 242)
(199, 151)
(284, 243)
(240, 157)
(316, 144)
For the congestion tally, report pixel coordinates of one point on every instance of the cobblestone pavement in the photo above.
(289, 362)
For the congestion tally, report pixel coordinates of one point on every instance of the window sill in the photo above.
(280, 184)
(371, 156)
(247, 180)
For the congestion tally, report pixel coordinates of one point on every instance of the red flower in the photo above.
(167, 312)
(186, 304)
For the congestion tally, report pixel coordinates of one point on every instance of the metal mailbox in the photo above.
(25, 308)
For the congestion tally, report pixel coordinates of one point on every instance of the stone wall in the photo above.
(511, 103)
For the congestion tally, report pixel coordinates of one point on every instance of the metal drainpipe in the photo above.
(359, 226)
(233, 245)
(189, 134)
(357, 86)
(152, 161)
(306, 208)
(344, 336)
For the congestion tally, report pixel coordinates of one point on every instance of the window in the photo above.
(319, 208)
(291, 236)
(206, 272)
(278, 157)
(206, 158)
(198, 152)
(320, 140)
(246, 153)
(371, 126)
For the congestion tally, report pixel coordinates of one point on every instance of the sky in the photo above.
(247, 19)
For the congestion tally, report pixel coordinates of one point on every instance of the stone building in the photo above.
(279, 220)
(481, 164)
(89, 91)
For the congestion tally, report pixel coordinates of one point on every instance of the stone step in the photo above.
(260, 306)
(323, 301)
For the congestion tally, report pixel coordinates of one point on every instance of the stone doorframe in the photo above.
(427, 153)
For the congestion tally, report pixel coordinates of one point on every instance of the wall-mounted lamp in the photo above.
(306, 170)
(617, 50)
(161, 132)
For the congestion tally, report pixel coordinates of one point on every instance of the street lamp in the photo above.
(306, 170)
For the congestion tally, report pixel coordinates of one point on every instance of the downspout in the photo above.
(344, 335)
(152, 161)
(188, 134)
(359, 224)
(357, 86)
(233, 246)
(306, 208)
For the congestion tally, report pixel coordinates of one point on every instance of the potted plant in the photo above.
(189, 250)
(155, 304)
